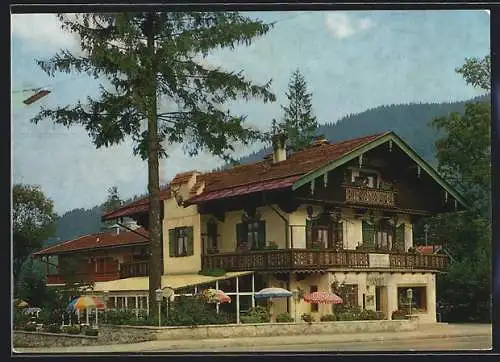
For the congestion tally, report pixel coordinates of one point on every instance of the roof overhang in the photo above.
(176, 281)
(387, 137)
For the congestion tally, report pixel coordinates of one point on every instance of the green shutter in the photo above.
(308, 233)
(368, 234)
(399, 244)
(262, 234)
(239, 234)
(190, 242)
(171, 242)
(340, 234)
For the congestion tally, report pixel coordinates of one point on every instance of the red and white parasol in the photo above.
(323, 298)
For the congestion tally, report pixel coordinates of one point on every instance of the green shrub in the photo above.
(257, 314)
(20, 319)
(306, 317)
(250, 319)
(91, 332)
(212, 272)
(399, 314)
(368, 315)
(381, 315)
(284, 318)
(328, 318)
(347, 316)
(189, 311)
(120, 317)
(30, 327)
(71, 329)
(53, 328)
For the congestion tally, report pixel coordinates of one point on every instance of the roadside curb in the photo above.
(176, 345)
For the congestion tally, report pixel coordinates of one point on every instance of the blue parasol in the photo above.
(268, 293)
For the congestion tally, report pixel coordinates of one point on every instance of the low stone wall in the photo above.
(283, 329)
(43, 339)
(107, 335)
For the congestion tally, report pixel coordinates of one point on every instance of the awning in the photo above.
(173, 281)
(282, 183)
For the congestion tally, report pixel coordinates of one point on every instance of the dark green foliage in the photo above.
(30, 327)
(31, 283)
(328, 318)
(399, 314)
(71, 329)
(33, 220)
(409, 121)
(299, 123)
(368, 315)
(214, 272)
(307, 317)
(112, 202)
(257, 314)
(464, 155)
(189, 311)
(20, 319)
(52, 328)
(120, 316)
(284, 318)
(91, 332)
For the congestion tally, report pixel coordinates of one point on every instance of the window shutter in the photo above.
(239, 234)
(399, 245)
(308, 233)
(340, 235)
(367, 233)
(171, 242)
(262, 233)
(190, 241)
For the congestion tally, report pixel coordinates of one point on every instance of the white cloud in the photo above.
(41, 32)
(342, 26)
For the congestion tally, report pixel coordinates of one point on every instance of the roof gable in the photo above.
(363, 148)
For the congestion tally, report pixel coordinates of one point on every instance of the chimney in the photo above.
(319, 141)
(279, 148)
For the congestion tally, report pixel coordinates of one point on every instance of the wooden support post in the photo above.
(237, 301)
(253, 290)
(217, 304)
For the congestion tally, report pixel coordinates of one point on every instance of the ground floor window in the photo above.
(120, 302)
(418, 301)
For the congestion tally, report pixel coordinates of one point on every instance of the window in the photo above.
(385, 235)
(212, 235)
(324, 232)
(314, 306)
(251, 234)
(180, 241)
(418, 301)
(364, 179)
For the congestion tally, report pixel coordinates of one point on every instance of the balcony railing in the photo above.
(134, 269)
(368, 196)
(89, 277)
(310, 259)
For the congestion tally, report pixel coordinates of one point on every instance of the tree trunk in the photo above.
(155, 269)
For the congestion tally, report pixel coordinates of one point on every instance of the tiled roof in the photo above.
(135, 207)
(97, 240)
(428, 249)
(257, 174)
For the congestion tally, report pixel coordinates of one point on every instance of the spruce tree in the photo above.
(298, 121)
(143, 57)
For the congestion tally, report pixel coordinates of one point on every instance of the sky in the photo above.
(351, 60)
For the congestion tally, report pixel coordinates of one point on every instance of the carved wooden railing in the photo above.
(418, 261)
(296, 259)
(368, 196)
(134, 269)
(90, 277)
(286, 259)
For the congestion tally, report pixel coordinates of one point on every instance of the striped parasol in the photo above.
(86, 301)
(323, 298)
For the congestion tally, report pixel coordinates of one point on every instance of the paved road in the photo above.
(446, 344)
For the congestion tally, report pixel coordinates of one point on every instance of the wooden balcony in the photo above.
(368, 196)
(311, 259)
(134, 269)
(89, 277)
